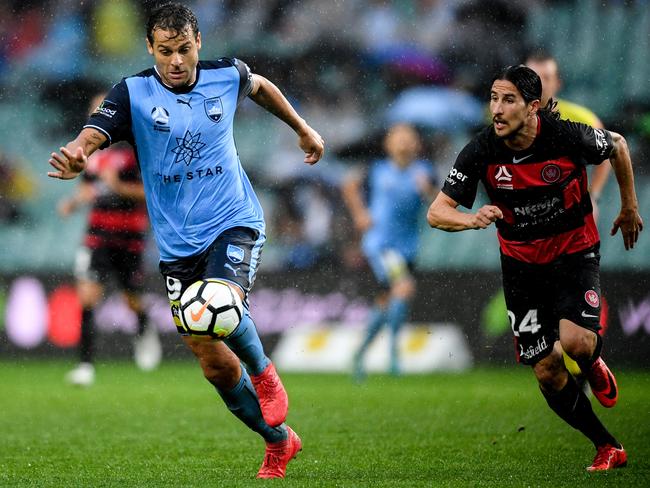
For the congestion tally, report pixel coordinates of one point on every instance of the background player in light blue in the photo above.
(204, 213)
(398, 188)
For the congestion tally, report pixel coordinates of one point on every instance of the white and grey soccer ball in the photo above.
(210, 309)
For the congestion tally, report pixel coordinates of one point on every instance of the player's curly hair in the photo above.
(529, 85)
(171, 16)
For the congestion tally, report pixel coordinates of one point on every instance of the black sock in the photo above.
(142, 321)
(86, 344)
(573, 406)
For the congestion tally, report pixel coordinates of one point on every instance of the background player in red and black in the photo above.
(112, 248)
(532, 166)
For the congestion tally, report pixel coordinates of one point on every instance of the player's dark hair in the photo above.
(528, 83)
(173, 17)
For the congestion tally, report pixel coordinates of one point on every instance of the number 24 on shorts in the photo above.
(528, 324)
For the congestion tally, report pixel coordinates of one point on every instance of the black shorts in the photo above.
(539, 295)
(103, 264)
(234, 257)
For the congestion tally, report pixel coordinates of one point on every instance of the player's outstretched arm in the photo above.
(72, 159)
(444, 215)
(628, 220)
(85, 194)
(351, 192)
(269, 96)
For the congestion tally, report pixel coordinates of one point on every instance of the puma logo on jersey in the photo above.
(234, 270)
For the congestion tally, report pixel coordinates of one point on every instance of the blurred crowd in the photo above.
(352, 68)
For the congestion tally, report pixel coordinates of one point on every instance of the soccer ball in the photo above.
(210, 309)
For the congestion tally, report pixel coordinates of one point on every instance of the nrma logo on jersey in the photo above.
(213, 108)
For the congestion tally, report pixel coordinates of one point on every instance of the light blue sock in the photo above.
(396, 315)
(245, 343)
(377, 319)
(242, 401)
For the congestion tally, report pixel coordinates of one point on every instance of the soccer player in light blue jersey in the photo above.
(205, 216)
(390, 221)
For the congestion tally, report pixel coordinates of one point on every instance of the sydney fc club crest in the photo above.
(235, 253)
(213, 108)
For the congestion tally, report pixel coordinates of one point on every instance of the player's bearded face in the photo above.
(509, 109)
(176, 55)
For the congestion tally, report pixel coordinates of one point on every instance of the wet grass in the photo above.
(168, 428)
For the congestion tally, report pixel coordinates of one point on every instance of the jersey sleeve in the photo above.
(245, 79)
(113, 116)
(461, 183)
(595, 144)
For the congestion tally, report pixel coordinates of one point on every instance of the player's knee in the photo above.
(403, 289)
(89, 293)
(221, 374)
(219, 365)
(580, 345)
(133, 301)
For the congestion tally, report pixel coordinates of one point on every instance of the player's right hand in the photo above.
(486, 215)
(312, 144)
(68, 165)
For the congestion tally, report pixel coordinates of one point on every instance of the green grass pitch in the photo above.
(168, 428)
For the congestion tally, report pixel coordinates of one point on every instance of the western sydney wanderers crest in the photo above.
(551, 173)
(591, 297)
(213, 108)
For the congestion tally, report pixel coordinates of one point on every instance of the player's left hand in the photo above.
(313, 144)
(630, 223)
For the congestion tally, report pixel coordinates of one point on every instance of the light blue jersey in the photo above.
(194, 183)
(395, 204)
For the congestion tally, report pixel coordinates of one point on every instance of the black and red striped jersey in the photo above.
(541, 190)
(115, 221)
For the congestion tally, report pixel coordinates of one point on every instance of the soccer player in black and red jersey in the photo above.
(113, 248)
(532, 166)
